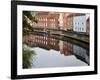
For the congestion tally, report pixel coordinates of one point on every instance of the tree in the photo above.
(27, 28)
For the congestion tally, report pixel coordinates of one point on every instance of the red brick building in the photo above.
(46, 20)
(65, 23)
(53, 20)
(59, 20)
(42, 20)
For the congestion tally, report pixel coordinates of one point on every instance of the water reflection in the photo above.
(66, 48)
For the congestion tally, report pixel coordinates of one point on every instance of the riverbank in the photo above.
(69, 34)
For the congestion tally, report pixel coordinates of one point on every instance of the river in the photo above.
(57, 52)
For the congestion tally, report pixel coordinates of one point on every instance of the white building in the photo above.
(79, 23)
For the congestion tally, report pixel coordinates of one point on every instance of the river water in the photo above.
(57, 52)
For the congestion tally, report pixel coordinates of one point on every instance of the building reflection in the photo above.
(66, 48)
(80, 53)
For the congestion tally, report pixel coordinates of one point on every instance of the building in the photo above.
(64, 21)
(53, 20)
(77, 22)
(69, 26)
(46, 20)
(88, 25)
(41, 20)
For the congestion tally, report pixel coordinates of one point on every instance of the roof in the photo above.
(76, 14)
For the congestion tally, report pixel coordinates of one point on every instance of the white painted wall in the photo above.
(79, 23)
(61, 20)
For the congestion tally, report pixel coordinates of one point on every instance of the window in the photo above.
(46, 19)
(82, 29)
(78, 23)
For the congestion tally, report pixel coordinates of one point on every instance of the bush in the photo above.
(27, 57)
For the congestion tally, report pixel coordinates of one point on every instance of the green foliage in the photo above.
(27, 57)
(27, 28)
